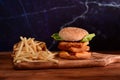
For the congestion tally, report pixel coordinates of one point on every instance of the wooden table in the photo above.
(110, 72)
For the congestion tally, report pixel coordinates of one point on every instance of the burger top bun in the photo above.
(72, 33)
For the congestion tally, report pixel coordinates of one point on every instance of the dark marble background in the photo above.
(41, 18)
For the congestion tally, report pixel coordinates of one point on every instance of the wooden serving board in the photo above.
(98, 59)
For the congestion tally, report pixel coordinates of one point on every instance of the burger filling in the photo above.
(74, 47)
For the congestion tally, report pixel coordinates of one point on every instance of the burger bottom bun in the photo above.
(81, 55)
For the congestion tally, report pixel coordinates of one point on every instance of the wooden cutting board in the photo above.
(98, 59)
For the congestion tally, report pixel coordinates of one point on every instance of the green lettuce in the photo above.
(88, 37)
(56, 36)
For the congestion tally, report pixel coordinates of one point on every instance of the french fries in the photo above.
(32, 51)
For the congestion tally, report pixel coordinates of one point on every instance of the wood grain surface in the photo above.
(97, 59)
(7, 72)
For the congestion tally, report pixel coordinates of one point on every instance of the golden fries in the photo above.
(32, 51)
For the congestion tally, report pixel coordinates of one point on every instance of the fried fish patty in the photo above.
(77, 50)
(74, 46)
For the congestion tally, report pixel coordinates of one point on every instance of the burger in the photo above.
(73, 43)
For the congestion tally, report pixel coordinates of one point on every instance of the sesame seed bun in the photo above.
(72, 33)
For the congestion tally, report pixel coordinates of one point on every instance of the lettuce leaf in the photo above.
(56, 36)
(88, 37)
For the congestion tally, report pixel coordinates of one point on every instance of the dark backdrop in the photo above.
(41, 18)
